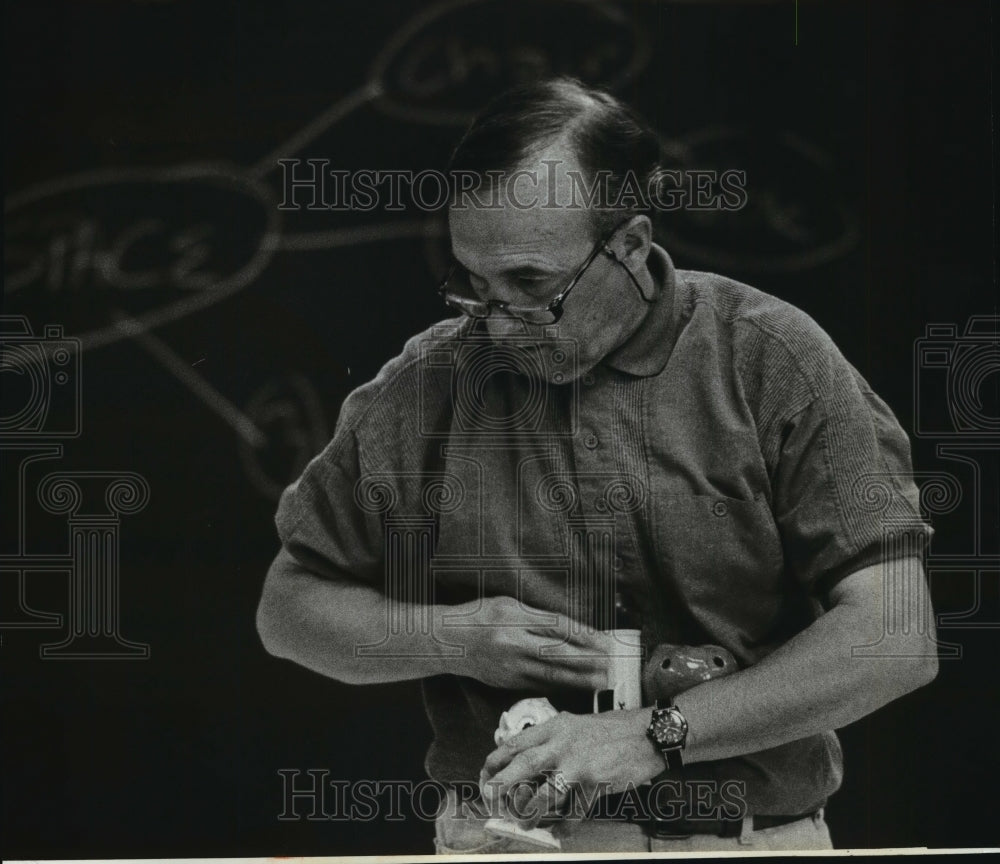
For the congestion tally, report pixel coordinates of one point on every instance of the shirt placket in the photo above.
(595, 526)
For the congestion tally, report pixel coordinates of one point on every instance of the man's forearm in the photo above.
(812, 683)
(320, 624)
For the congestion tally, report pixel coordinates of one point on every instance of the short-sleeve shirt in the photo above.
(721, 471)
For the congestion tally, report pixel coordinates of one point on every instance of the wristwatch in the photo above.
(668, 730)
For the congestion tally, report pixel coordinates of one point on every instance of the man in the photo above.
(678, 439)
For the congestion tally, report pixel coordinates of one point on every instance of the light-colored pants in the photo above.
(461, 831)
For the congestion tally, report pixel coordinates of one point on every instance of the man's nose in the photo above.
(502, 325)
(499, 293)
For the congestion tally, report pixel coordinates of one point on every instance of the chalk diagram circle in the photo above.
(436, 68)
(77, 237)
(778, 229)
(290, 414)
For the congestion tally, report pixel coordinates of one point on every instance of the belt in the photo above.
(664, 829)
(683, 827)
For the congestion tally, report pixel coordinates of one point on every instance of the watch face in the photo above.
(670, 736)
(669, 728)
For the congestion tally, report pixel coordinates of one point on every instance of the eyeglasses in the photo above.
(456, 290)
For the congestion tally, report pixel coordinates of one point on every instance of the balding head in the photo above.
(520, 127)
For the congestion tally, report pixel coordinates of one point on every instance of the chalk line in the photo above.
(182, 371)
(337, 237)
(312, 130)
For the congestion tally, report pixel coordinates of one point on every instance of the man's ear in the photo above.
(636, 239)
(632, 244)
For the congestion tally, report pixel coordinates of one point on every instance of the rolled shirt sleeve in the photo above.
(332, 519)
(844, 496)
(319, 520)
(843, 491)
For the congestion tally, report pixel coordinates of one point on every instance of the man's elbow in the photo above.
(273, 613)
(921, 649)
(915, 666)
(928, 667)
(267, 630)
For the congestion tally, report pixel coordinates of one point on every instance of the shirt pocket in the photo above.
(724, 563)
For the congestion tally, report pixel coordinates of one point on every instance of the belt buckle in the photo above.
(671, 829)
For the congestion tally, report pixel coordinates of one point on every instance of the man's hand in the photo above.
(595, 754)
(513, 646)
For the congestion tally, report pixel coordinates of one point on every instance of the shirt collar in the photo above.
(648, 349)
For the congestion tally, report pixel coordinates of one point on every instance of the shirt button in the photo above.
(719, 508)
(588, 379)
(590, 442)
(600, 505)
